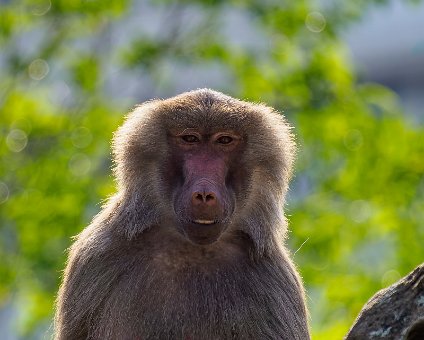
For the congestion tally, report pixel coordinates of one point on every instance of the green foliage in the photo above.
(356, 207)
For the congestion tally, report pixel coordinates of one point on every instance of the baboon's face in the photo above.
(203, 181)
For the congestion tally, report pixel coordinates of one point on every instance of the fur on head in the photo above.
(260, 178)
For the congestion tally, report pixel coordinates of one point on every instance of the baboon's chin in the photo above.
(203, 233)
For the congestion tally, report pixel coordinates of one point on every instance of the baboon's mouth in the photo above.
(203, 231)
(207, 222)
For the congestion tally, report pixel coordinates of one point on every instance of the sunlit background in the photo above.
(349, 75)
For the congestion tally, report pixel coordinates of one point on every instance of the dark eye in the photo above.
(190, 138)
(224, 140)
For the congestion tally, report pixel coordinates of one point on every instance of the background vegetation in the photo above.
(70, 69)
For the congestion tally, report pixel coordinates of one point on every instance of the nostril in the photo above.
(210, 197)
(198, 198)
(203, 198)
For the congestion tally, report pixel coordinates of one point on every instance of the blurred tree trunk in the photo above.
(396, 312)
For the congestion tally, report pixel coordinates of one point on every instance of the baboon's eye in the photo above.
(190, 139)
(224, 140)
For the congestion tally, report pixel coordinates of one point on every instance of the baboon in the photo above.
(192, 244)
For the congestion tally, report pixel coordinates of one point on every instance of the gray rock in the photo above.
(396, 312)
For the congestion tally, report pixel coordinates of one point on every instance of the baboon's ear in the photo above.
(135, 145)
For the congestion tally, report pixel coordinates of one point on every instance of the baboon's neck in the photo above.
(172, 252)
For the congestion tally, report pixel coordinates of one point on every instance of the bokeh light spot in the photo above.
(79, 165)
(40, 7)
(4, 192)
(59, 93)
(16, 140)
(315, 22)
(81, 137)
(360, 211)
(38, 69)
(390, 277)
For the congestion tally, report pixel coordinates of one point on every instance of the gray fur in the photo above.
(131, 275)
